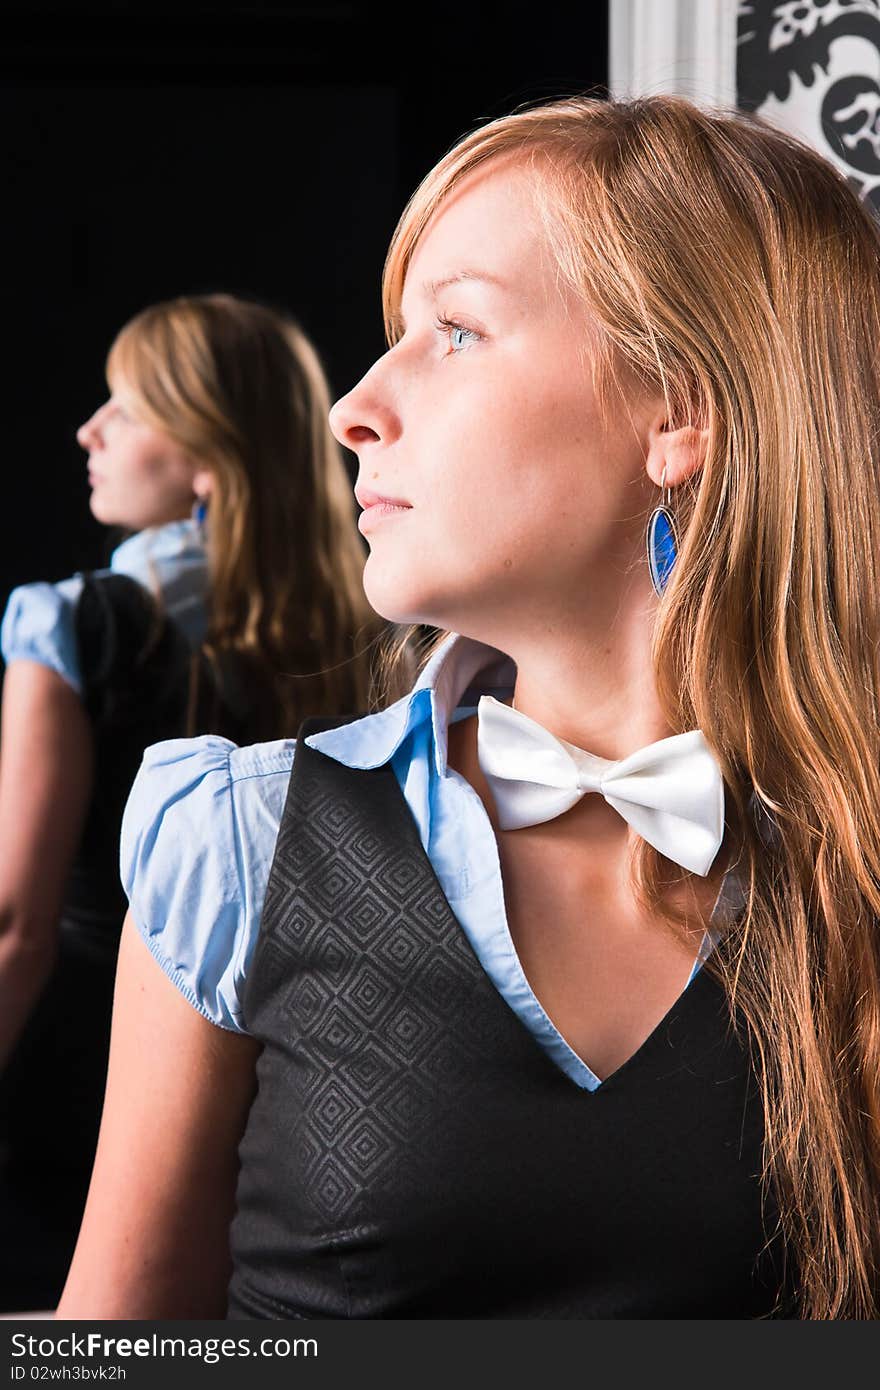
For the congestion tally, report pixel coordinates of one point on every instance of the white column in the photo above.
(683, 47)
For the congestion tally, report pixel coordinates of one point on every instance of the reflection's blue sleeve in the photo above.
(198, 835)
(39, 625)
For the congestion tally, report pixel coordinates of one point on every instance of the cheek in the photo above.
(154, 468)
(525, 480)
(526, 432)
(130, 464)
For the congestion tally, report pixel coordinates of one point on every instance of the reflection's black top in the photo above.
(141, 683)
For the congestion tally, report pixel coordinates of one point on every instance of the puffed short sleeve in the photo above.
(198, 836)
(40, 625)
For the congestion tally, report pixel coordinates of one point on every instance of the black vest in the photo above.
(413, 1152)
(135, 665)
(142, 683)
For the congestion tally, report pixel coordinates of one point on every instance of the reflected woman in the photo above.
(235, 605)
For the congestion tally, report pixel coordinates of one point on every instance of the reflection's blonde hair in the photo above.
(731, 268)
(240, 387)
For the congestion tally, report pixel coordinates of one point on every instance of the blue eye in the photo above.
(458, 336)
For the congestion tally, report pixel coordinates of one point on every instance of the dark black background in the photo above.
(265, 149)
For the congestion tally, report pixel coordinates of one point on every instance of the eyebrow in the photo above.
(433, 287)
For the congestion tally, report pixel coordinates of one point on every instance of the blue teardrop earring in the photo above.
(200, 516)
(661, 539)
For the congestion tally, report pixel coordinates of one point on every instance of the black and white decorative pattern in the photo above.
(813, 68)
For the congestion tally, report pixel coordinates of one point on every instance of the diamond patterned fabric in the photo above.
(413, 1152)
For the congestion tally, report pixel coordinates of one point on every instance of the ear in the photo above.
(681, 451)
(203, 483)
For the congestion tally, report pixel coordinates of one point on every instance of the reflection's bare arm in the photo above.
(46, 772)
(154, 1238)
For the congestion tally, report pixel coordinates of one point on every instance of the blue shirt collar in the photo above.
(157, 548)
(458, 673)
(170, 561)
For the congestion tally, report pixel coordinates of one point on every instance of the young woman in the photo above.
(236, 619)
(561, 995)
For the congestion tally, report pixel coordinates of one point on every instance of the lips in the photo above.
(378, 510)
(366, 499)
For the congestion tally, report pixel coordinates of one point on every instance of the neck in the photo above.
(587, 675)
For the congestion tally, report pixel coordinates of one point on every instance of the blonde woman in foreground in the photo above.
(560, 996)
(235, 606)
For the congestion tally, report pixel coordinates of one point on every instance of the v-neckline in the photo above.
(408, 829)
(729, 892)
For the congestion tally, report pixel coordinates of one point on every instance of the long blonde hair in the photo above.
(733, 269)
(241, 389)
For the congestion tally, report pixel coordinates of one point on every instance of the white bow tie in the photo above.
(671, 792)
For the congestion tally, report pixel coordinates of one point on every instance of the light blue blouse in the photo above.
(170, 561)
(200, 825)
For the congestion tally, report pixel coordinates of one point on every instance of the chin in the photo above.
(108, 516)
(400, 600)
(397, 602)
(445, 586)
(99, 511)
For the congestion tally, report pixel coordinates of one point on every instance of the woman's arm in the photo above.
(46, 773)
(154, 1238)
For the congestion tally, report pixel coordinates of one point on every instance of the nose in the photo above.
(88, 435)
(367, 414)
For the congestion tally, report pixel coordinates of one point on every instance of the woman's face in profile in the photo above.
(483, 427)
(138, 475)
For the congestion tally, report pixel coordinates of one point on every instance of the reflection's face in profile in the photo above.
(138, 475)
(508, 484)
